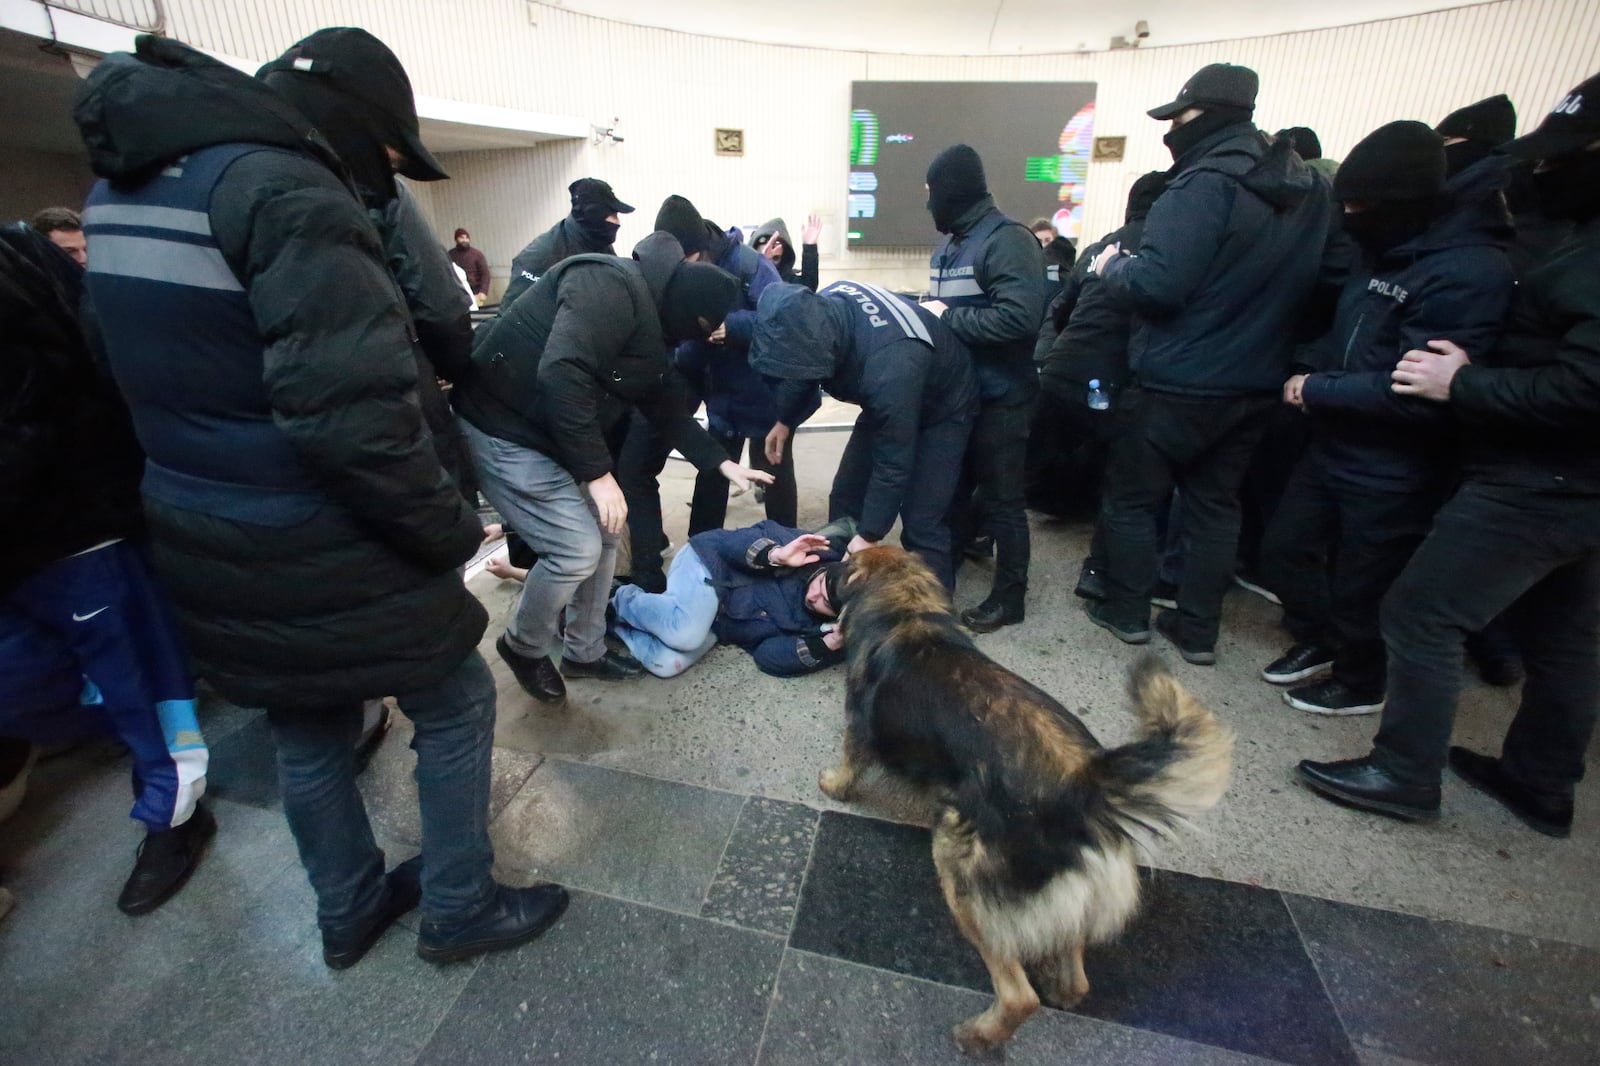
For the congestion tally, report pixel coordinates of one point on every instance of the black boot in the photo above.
(1363, 783)
(165, 861)
(1544, 812)
(994, 612)
(403, 888)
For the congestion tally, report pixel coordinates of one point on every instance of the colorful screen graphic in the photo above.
(1034, 138)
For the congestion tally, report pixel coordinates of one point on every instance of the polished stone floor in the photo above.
(725, 912)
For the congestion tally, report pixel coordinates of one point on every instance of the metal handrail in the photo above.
(127, 12)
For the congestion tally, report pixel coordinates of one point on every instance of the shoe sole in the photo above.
(462, 952)
(1269, 596)
(1365, 803)
(1549, 829)
(1298, 675)
(1141, 637)
(604, 677)
(1088, 594)
(1332, 712)
(1164, 603)
(1193, 658)
(176, 886)
(991, 628)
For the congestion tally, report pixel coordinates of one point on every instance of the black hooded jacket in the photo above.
(362, 598)
(808, 273)
(558, 370)
(565, 238)
(1230, 253)
(1453, 282)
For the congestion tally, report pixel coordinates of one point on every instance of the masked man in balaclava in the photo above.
(591, 227)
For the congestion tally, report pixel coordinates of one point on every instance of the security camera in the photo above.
(1141, 29)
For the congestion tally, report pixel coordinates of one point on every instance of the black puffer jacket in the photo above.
(1531, 407)
(1092, 343)
(808, 273)
(1454, 282)
(565, 238)
(69, 463)
(1229, 256)
(359, 595)
(558, 370)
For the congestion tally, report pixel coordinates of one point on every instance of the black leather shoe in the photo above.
(342, 951)
(1167, 624)
(1127, 632)
(990, 615)
(611, 666)
(515, 916)
(1332, 697)
(979, 548)
(1539, 811)
(1298, 663)
(538, 676)
(1363, 783)
(1091, 584)
(165, 861)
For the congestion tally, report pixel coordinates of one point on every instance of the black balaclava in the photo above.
(1398, 172)
(1215, 118)
(590, 212)
(1462, 154)
(696, 291)
(1145, 192)
(955, 183)
(1571, 188)
(1307, 145)
(1388, 224)
(679, 218)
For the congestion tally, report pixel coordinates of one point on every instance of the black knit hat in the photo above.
(696, 291)
(1569, 128)
(1214, 85)
(1492, 121)
(1145, 192)
(1400, 161)
(679, 218)
(1304, 140)
(955, 182)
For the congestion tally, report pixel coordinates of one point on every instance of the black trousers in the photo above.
(1267, 479)
(1536, 556)
(639, 464)
(709, 507)
(1066, 461)
(1201, 446)
(1330, 553)
(925, 508)
(991, 497)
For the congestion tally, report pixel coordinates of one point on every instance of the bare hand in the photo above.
(719, 335)
(608, 499)
(858, 543)
(1294, 391)
(740, 477)
(1108, 253)
(1429, 374)
(833, 639)
(813, 229)
(777, 438)
(801, 551)
(938, 307)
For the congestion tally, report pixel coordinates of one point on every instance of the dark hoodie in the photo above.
(558, 370)
(1229, 255)
(361, 596)
(1453, 282)
(564, 239)
(807, 274)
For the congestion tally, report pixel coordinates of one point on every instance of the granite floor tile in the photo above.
(758, 882)
(837, 1013)
(244, 765)
(618, 833)
(614, 982)
(1453, 994)
(389, 785)
(1208, 961)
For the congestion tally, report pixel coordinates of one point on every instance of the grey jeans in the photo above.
(577, 558)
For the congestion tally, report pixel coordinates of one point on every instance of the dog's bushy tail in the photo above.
(1176, 768)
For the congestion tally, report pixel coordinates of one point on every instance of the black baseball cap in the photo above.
(595, 191)
(1216, 84)
(1569, 128)
(361, 67)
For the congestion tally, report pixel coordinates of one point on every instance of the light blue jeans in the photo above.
(670, 631)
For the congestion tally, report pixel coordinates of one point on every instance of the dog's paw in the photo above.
(836, 784)
(973, 1038)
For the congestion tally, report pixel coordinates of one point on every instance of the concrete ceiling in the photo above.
(999, 27)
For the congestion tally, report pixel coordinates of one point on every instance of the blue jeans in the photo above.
(454, 723)
(670, 631)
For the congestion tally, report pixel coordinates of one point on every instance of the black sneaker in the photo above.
(1127, 632)
(1331, 697)
(1541, 811)
(538, 676)
(404, 886)
(165, 861)
(514, 916)
(611, 666)
(1091, 584)
(990, 615)
(1168, 624)
(1165, 595)
(1297, 664)
(1250, 584)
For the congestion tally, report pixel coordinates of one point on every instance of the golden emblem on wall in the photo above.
(730, 142)
(1109, 149)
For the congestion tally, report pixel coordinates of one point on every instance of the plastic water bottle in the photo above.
(1099, 399)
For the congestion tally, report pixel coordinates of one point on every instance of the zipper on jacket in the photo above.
(1350, 342)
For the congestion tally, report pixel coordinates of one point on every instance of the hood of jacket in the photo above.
(1270, 169)
(796, 336)
(658, 255)
(138, 112)
(769, 229)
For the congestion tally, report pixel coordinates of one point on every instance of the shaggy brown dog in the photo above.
(1039, 827)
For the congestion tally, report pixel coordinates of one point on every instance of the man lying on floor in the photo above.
(767, 588)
